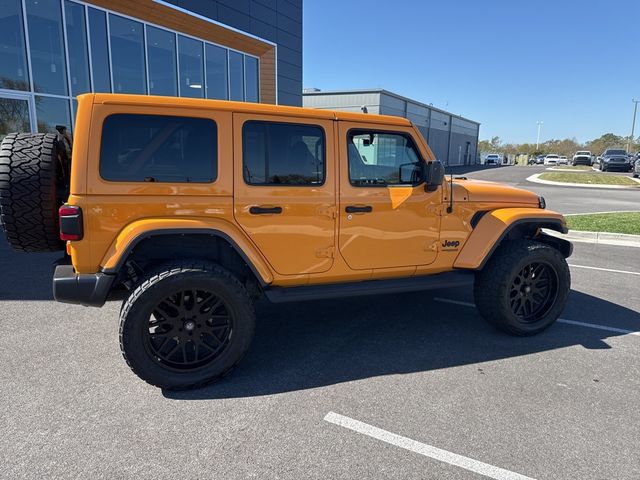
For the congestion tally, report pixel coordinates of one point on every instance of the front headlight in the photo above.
(542, 202)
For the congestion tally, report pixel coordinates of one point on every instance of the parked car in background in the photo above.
(583, 157)
(551, 159)
(615, 159)
(493, 159)
(562, 160)
(539, 160)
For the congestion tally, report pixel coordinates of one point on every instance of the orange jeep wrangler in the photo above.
(195, 208)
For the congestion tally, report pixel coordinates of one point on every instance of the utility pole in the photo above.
(633, 124)
(538, 138)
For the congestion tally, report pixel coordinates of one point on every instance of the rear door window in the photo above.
(158, 148)
(283, 154)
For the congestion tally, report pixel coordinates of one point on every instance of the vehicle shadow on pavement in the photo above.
(25, 276)
(314, 344)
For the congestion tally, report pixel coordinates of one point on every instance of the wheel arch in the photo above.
(499, 225)
(148, 239)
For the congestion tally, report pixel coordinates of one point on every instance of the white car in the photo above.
(493, 159)
(562, 160)
(551, 160)
(583, 157)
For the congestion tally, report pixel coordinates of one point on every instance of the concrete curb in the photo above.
(601, 238)
(572, 170)
(534, 179)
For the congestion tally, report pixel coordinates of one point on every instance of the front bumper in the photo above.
(623, 167)
(90, 290)
(582, 161)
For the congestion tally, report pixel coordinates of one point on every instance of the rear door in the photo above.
(284, 190)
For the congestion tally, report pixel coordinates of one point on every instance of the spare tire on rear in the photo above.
(32, 188)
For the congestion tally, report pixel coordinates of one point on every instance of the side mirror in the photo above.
(433, 175)
(410, 173)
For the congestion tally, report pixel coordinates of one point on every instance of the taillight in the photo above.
(70, 222)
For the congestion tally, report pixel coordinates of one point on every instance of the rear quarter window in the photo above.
(158, 148)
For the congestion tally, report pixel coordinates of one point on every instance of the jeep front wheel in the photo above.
(186, 325)
(523, 288)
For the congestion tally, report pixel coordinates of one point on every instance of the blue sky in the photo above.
(573, 64)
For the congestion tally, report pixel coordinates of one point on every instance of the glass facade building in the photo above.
(51, 51)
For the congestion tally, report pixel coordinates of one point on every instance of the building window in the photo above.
(236, 76)
(52, 111)
(127, 55)
(190, 59)
(216, 70)
(251, 75)
(55, 50)
(78, 49)
(44, 20)
(161, 57)
(282, 154)
(156, 148)
(14, 116)
(13, 55)
(99, 50)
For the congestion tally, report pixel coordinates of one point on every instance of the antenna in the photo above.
(450, 206)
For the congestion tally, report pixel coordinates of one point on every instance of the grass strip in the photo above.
(623, 222)
(589, 178)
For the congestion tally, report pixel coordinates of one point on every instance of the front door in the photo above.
(284, 190)
(387, 219)
(16, 113)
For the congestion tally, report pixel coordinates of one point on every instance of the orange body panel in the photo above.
(491, 228)
(409, 232)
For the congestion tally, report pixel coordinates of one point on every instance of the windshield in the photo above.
(583, 153)
(552, 156)
(615, 152)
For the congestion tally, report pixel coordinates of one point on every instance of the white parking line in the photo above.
(560, 320)
(424, 449)
(605, 269)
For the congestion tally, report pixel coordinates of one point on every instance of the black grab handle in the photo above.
(354, 209)
(265, 210)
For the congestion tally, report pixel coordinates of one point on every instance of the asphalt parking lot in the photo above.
(562, 199)
(402, 386)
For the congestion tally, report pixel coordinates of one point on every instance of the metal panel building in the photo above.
(453, 139)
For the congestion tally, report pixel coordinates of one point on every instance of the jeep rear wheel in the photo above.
(186, 326)
(523, 288)
(33, 185)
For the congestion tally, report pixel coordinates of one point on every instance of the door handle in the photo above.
(265, 210)
(355, 209)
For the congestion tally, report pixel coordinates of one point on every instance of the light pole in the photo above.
(633, 124)
(538, 138)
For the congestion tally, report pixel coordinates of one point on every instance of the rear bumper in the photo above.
(83, 289)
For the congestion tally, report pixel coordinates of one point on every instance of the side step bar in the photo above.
(370, 287)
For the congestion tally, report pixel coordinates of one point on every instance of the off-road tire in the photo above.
(29, 192)
(158, 285)
(494, 285)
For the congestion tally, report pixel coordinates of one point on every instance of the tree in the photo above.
(489, 146)
(608, 140)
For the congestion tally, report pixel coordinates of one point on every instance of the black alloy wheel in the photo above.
(186, 324)
(533, 291)
(189, 329)
(523, 288)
